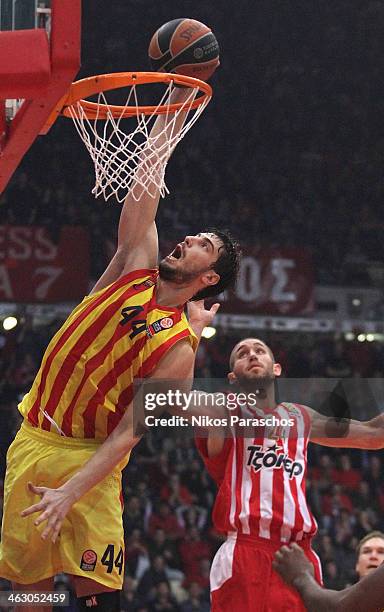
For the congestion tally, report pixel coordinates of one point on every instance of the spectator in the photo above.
(136, 555)
(163, 600)
(160, 545)
(133, 516)
(192, 551)
(163, 519)
(195, 601)
(175, 493)
(151, 578)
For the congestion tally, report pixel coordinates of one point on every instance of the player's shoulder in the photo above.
(293, 408)
(296, 409)
(141, 279)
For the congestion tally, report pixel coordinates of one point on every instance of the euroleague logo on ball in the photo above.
(198, 53)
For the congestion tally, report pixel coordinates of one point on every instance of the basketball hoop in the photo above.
(126, 158)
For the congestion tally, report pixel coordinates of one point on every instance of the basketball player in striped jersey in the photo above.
(260, 473)
(77, 432)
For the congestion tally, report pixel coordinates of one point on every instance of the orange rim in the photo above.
(104, 82)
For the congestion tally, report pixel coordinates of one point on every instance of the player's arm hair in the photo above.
(367, 594)
(347, 433)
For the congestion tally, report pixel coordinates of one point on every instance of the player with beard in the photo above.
(260, 473)
(65, 462)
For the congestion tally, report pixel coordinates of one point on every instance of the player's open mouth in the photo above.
(257, 369)
(177, 253)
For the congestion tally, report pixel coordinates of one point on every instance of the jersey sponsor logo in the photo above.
(273, 458)
(159, 325)
(88, 561)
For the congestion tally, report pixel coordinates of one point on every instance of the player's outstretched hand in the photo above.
(199, 316)
(54, 506)
(290, 562)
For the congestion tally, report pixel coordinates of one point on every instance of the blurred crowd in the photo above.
(168, 495)
(289, 152)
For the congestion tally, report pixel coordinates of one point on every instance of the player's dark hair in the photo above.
(226, 266)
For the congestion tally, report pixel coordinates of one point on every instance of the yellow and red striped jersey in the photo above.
(85, 381)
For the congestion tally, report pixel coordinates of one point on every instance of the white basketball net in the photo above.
(133, 161)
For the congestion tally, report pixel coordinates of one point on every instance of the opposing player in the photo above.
(260, 473)
(79, 409)
(367, 595)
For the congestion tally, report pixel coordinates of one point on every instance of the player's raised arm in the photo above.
(178, 46)
(137, 245)
(347, 433)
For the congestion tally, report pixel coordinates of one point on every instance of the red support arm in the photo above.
(42, 81)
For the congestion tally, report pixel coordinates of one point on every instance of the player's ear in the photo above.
(277, 369)
(211, 278)
(231, 378)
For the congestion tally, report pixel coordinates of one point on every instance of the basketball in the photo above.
(184, 46)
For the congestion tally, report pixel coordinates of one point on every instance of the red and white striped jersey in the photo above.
(261, 479)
